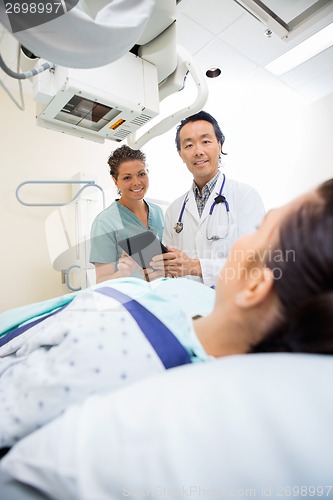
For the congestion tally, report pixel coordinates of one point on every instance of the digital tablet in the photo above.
(143, 247)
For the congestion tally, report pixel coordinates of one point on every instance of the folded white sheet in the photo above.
(243, 426)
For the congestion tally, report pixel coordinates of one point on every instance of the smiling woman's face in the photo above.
(132, 180)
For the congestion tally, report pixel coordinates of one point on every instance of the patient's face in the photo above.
(249, 253)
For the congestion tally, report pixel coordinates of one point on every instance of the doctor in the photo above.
(201, 226)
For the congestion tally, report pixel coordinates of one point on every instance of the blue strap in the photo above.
(167, 346)
(21, 329)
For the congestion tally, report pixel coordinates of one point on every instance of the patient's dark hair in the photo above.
(122, 154)
(305, 287)
(204, 116)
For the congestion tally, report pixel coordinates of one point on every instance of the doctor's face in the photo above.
(200, 150)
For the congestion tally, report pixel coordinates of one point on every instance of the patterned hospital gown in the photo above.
(100, 340)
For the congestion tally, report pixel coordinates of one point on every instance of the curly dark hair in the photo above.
(122, 154)
(305, 290)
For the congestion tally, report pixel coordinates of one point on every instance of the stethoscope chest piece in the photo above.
(179, 227)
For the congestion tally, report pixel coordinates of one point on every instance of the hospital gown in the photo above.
(99, 340)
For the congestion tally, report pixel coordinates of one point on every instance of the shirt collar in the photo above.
(207, 187)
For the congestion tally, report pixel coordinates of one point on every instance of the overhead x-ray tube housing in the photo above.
(109, 102)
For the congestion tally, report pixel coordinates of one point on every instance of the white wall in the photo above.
(275, 141)
(32, 153)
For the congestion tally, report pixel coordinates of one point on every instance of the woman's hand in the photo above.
(126, 265)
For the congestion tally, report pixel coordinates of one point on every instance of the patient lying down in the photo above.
(274, 294)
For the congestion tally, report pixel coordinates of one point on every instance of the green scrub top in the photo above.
(116, 223)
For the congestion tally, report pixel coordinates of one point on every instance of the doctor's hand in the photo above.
(175, 264)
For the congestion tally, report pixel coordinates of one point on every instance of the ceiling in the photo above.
(223, 34)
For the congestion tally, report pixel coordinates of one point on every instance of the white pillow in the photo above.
(248, 423)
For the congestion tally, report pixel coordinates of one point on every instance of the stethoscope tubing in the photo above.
(221, 199)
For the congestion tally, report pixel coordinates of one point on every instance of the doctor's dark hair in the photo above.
(122, 154)
(204, 116)
(305, 287)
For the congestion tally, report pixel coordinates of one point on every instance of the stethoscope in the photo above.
(220, 198)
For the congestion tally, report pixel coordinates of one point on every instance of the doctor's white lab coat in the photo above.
(246, 213)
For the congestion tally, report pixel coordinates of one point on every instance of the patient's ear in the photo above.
(256, 290)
